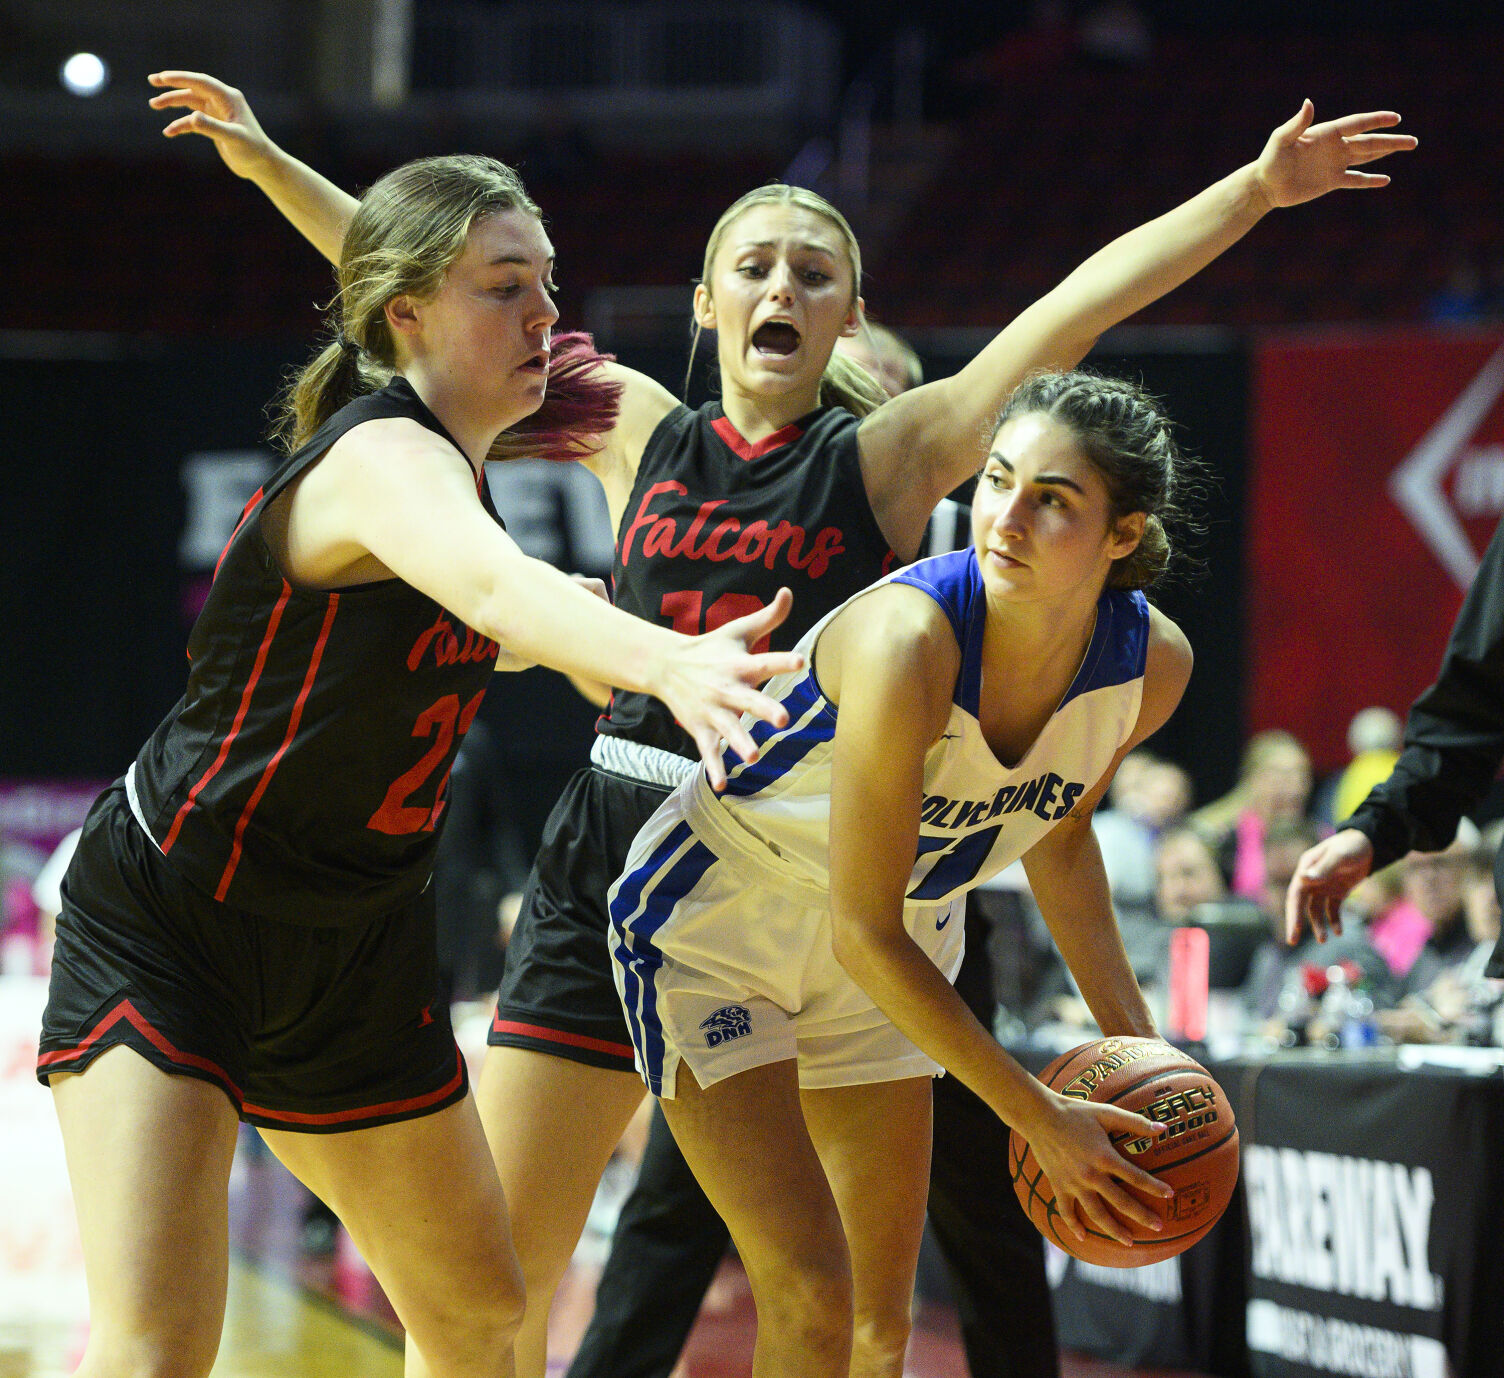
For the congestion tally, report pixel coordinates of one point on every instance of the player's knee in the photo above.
(813, 1294)
(473, 1333)
(188, 1352)
(879, 1342)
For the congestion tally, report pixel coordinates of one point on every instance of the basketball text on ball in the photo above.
(1196, 1153)
(1115, 1054)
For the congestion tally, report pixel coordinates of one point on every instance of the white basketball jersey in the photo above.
(977, 815)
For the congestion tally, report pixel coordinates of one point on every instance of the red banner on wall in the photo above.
(1377, 478)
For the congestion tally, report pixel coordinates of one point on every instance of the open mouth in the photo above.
(776, 338)
(535, 363)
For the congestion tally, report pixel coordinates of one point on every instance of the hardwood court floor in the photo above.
(293, 1316)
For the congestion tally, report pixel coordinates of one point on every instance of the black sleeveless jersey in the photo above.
(716, 526)
(302, 775)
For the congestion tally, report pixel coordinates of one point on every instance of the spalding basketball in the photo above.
(1198, 1157)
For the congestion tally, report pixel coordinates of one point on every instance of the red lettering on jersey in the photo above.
(755, 543)
(446, 646)
(646, 518)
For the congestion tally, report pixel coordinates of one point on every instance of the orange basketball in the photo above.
(1198, 1157)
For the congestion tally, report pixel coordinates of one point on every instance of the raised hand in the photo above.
(218, 112)
(1303, 160)
(709, 682)
(1323, 876)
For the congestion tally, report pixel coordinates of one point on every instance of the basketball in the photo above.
(1198, 1157)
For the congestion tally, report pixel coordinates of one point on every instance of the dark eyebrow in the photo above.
(1052, 480)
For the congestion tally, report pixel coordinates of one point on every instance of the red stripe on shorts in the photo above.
(366, 1112)
(574, 1040)
(128, 1012)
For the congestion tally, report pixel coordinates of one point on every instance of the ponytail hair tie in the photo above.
(346, 344)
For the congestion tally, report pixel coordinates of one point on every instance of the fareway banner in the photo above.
(1371, 1242)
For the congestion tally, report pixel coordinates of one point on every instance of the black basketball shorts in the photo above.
(303, 1028)
(557, 994)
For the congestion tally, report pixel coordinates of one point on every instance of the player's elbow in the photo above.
(858, 947)
(845, 942)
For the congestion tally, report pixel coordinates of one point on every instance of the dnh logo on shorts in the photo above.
(728, 1022)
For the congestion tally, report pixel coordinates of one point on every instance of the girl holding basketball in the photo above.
(798, 476)
(784, 952)
(247, 930)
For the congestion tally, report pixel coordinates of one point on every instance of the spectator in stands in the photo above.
(1147, 796)
(1396, 928)
(1274, 786)
(1373, 744)
(1186, 874)
(1432, 883)
(886, 355)
(1445, 997)
(1273, 991)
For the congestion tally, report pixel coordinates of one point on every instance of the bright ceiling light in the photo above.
(84, 74)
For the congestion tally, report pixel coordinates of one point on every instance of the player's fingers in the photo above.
(1361, 123)
(1129, 1208)
(207, 125)
(756, 625)
(1297, 124)
(708, 741)
(1363, 181)
(1364, 148)
(1100, 1218)
(761, 706)
(766, 664)
(191, 99)
(175, 77)
(1071, 1217)
(1295, 907)
(737, 738)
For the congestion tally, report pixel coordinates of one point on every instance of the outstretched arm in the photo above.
(892, 669)
(321, 212)
(393, 490)
(923, 444)
(318, 209)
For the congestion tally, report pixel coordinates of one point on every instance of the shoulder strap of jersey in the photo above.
(396, 399)
(660, 454)
(954, 581)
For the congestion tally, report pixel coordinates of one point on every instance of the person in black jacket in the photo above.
(1454, 744)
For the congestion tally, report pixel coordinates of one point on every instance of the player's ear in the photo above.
(704, 307)
(852, 325)
(1126, 533)
(402, 316)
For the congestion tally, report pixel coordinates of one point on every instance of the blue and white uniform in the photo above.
(720, 923)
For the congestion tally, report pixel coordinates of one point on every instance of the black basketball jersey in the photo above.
(716, 526)
(302, 775)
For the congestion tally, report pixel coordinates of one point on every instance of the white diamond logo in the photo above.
(1416, 487)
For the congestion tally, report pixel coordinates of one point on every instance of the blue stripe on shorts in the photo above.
(645, 900)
